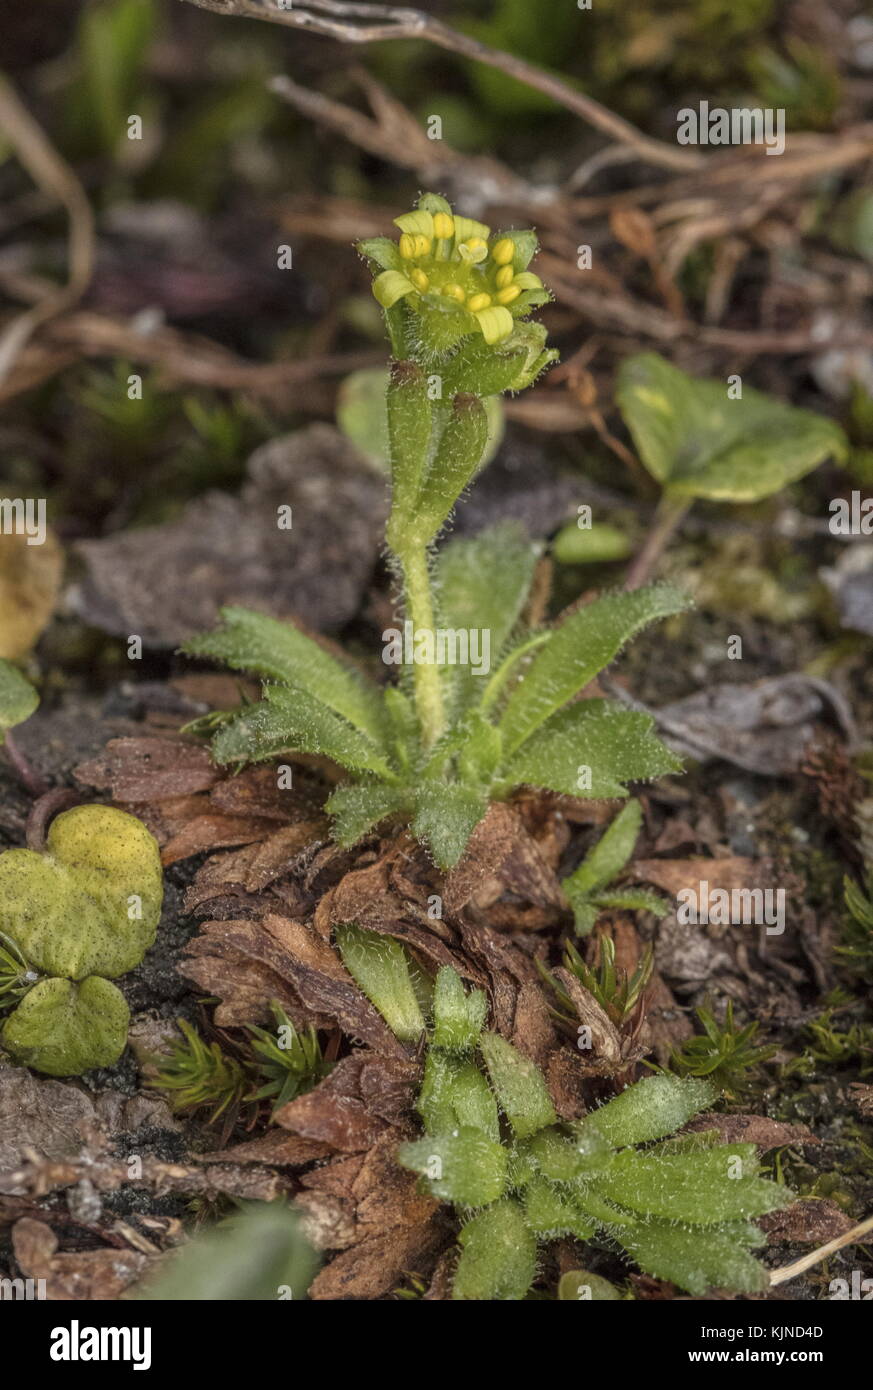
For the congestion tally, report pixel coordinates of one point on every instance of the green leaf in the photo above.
(64, 1028)
(498, 1255)
(458, 455)
(362, 415)
(590, 545)
(608, 857)
(465, 1167)
(378, 964)
(454, 1095)
(695, 1261)
(290, 720)
(519, 1086)
(446, 816)
(484, 370)
(18, 699)
(650, 1109)
(458, 1017)
(279, 651)
(563, 1159)
(590, 742)
(699, 443)
(551, 1212)
(576, 651)
(382, 251)
(696, 1187)
(409, 434)
(356, 808)
(256, 1255)
(483, 582)
(89, 905)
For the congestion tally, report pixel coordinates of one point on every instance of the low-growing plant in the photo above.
(272, 1065)
(618, 992)
(586, 888)
(682, 1208)
(856, 946)
(434, 749)
(717, 440)
(725, 1053)
(72, 919)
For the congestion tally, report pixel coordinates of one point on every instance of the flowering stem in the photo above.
(413, 559)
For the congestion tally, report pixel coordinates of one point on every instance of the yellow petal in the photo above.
(495, 324)
(418, 223)
(390, 286)
(466, 227)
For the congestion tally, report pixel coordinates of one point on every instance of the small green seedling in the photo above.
(586, 886)
(683, 1208)
(714, 439)
(76, 916)
(856, 946)
(617, 991)
(724, 1053)
(276, 1065)
(18, 699)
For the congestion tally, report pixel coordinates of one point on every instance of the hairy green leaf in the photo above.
(446, 815)
(465, 1167)
(518, 1084)
(498, 1255)
(482, 583)
(379, 965)
(608, 857)
(279, 651)
(705, 1188)
(458, 1017)
(650, 1109)
(458, 455)
(552, 1212)
(454, 1095)
(356, 807)
(697, 1261)
(290, 720)
(577, 650)
(592, 748)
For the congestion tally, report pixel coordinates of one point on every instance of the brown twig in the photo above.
(55, 177)
(852, 1237)
(366, 23)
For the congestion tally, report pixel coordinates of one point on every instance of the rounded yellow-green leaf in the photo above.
(63, 1029)
(89, 905)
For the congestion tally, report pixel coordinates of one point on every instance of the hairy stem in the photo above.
(419, 610)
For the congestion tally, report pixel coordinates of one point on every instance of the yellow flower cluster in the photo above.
(454, 258)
